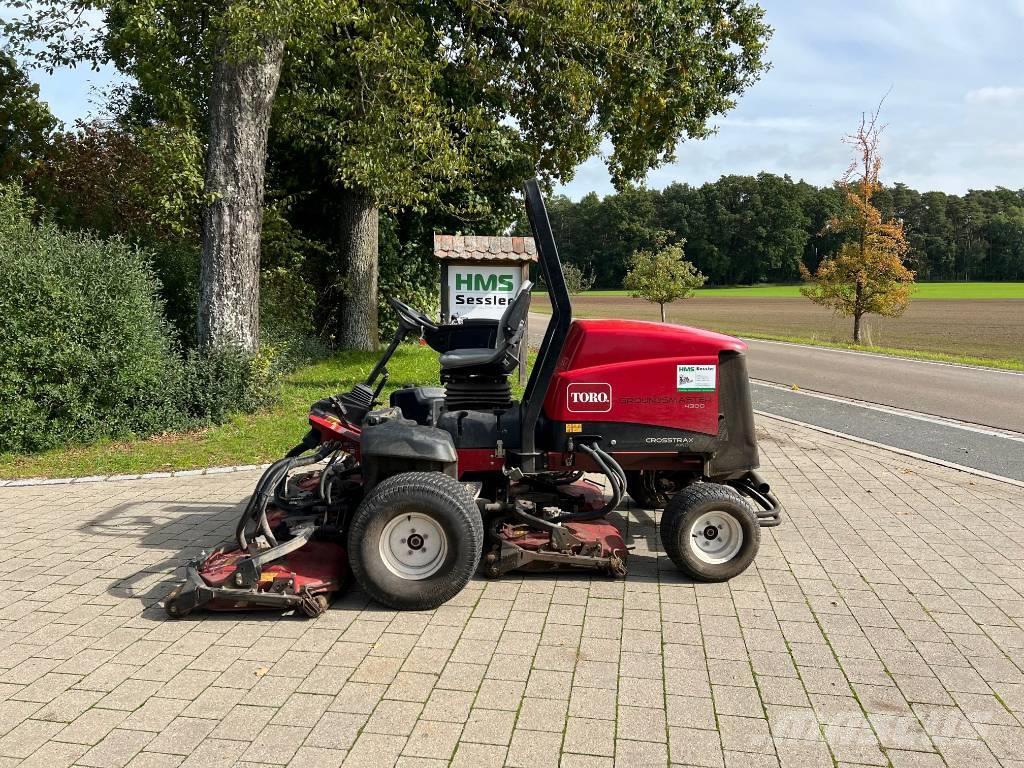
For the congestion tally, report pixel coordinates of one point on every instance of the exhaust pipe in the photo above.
(759, 482)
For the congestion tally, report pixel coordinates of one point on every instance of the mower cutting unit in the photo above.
(413, 498)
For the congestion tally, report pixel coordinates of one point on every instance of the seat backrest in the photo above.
(514, 316)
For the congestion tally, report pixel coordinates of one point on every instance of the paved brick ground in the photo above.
(882, 625)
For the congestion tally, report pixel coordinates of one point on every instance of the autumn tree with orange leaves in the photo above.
(867, 275)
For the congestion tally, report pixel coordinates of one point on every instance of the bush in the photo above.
(216, 383)
(87, 351)
(576, 280)
(143, 183)
(288, 296)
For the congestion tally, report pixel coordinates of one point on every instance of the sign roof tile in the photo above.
(484, 248)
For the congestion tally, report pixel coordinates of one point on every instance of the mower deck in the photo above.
(304, 578)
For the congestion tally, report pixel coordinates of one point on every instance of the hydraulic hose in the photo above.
(616, 477)
(264, 499)
(614, 465)
(250, 512)
(282, 500)
(326, 472)
(533, 520)
(334, 475)
(609, 464)
(256, 509)
(553, 481)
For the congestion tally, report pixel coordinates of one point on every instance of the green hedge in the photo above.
(85, 349)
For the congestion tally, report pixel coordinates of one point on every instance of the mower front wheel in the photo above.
(710, 532)
(415, 540)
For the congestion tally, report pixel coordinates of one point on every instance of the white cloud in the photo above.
(1002, 95)
(798, 124)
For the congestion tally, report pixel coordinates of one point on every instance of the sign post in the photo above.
(480, 277)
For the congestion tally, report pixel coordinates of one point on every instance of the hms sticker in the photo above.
(695, 378)
(589, 398)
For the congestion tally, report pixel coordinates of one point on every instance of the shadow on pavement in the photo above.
(165, 535)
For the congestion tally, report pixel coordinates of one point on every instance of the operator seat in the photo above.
(477, 379)
(504, 357)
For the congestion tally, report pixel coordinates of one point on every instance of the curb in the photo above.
(143, 476)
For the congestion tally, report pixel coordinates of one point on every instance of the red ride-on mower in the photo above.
(416, 496)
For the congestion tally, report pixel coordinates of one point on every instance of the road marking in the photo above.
(900, 451)
(886, 357)
(941, 421)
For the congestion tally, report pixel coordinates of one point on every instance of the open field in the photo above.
(921, 291)
(991, 329)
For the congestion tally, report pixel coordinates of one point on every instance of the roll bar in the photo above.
(558, 327)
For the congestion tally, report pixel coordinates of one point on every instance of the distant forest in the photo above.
(742, 230)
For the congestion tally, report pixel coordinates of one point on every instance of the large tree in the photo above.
(459, 93)
(408, 100)
(213, 61)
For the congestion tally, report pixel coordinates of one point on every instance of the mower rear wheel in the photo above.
(415, 540)
(710, 532)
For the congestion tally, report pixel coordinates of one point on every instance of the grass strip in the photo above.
(252, 438)
(1007, 364)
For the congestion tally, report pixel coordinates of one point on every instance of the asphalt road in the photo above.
(975, 395)
(980, 398)
(997, 453)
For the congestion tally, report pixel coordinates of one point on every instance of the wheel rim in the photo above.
(716, 537)
(413, 546)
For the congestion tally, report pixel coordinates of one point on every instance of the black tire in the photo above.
(686, 508)
(448, 506)
(652, 489)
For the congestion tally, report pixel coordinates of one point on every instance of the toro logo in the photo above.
(589, 398)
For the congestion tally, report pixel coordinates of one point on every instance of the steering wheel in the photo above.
(409, 317)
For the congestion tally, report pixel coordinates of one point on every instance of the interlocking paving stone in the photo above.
(875, 628)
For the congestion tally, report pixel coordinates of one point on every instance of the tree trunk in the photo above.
(241, 97)
(663, 313)
(858, 304)
(357, 238)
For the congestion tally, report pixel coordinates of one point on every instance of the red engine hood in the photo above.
(639, 372)
(603, 342)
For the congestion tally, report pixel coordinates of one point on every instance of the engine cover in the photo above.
(642, 373)
(653, 388)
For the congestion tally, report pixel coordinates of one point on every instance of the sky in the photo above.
(954, 114)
